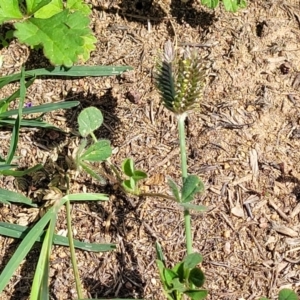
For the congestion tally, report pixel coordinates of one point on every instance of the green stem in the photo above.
(94, 137)
(187, 216)
(72, 248)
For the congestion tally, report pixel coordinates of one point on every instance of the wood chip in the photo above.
(284, 230)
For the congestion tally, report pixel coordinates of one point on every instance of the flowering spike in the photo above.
(180, 81)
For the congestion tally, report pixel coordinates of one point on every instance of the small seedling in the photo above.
(230, 5)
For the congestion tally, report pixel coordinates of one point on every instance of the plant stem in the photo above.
(94, 137)
(159, 195)
(187, 216)
(72, 248)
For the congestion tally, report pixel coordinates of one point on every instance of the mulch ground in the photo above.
(244, 143)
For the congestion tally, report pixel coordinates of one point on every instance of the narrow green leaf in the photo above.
(10, 196)
(191, 186)
(263, 298)
(6, 167)
(174, 189)
(17, 173)
(15, 133)
(192, 260)
(197, 277)
(87, 197)
(23, 249)
(20, 232)
(159, 253)
(287, 294)
(99, 151)
(89, 120)
(29, 123)
(89, 169)
(128, 167)
(74, 71)
(196, 294)
(40, 289)
(43, 108)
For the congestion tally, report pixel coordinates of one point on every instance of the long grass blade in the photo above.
(43, 108)
(15, 133)
(20, 232)
(75, 71)
(23, 249)
(10, 196)
(17, 173)
(30, 123)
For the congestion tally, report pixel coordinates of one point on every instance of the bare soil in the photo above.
(244, 143)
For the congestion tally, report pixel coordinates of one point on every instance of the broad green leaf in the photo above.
(99, 151)
(90, 170)
(169, 275)
(196, 277)
(139, 175)
(174, 189)
(129, 185)
(65, 51)
(89, 120)
(231, 5)
(35, 5)
(10, 196)
(20, 232)
(192, 260)
(88, 47)
(191, 186)
(79, 5)
(196, 294)
(178, 286)
(128, 167)
(210, 3)
(200, 208)
(179, 270)
(49, 10)
(9, 10)
(287, 294)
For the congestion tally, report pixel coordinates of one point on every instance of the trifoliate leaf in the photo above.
(70, 27)
(9, 10)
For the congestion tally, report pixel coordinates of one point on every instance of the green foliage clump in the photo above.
(60, 28)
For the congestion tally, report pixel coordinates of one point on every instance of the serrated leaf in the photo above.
(49, 10)
(79, 5)
(196, 277)
(99, 151)
(196, 294)
(287, 294)
(231, 5)
(174, 189)
(192, 260)
(210, 3)
(9, 10)
(128, 167)
(89, 46)
(60, 51)
(89, 120)
(191, 186)
(34, 5)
